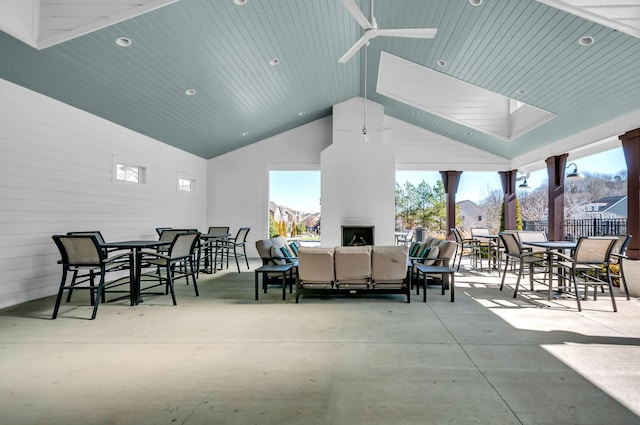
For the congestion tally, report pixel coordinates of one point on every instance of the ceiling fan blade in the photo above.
(361, 42)
(355, 11)
(409, 32)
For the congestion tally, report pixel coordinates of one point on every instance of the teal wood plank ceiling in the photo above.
(223, 52)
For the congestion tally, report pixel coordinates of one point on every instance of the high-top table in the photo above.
(550, 247)
(135, 261)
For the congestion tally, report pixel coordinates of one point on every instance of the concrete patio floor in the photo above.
(223, 358)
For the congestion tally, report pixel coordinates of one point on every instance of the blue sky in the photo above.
(300, 190)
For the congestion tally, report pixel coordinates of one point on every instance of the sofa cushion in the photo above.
(316, 266)
(389, 265)
(353, 265)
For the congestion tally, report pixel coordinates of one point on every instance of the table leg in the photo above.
(138, 277)
(132, 278)
(256, 276)
(284, 286)
(452, 285)
(424, 283)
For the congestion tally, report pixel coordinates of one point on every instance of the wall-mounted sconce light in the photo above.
(574, 175)
(523, 179)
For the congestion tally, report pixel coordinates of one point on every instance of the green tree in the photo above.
(273, 228)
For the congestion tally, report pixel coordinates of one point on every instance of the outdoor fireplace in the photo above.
(357, 235)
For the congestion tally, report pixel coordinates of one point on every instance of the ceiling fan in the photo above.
(371, 30)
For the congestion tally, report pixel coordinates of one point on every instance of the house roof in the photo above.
(608, 202)
(528, 50)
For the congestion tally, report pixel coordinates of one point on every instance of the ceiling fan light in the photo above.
(475, 2)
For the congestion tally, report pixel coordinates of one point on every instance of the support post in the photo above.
(450, 179)
(631, 147)
(508, 180)
(555, 170)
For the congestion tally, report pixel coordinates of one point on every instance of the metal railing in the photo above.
(575, 229)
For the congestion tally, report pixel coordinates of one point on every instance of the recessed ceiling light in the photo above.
(301, 113)
(274, 62)
(246, 133)
(442, 62)
(475, 2)
(415, 114)
(240, 2)
(123, 41)
(521, 91)
(468, 133)
(190, 92)
(587, 40)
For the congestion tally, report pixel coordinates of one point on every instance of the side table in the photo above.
(275, 268)
(448, 271)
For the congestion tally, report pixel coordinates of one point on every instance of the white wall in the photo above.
(56, 171)
(238, 181)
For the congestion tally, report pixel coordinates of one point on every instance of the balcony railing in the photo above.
(575, 229)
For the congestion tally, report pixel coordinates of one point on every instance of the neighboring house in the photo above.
(471, 215)
(607, 207)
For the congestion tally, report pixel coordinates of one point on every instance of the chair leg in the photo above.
(170, 284)
(73, 280)
(515, 292)
(60, 292)
(98, 296)
(574, 280)
(504, 274)
(244, 250)
(193, 276)
(235, 255)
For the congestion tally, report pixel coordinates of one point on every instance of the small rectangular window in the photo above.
(185, 185)
(129, 173)
(185, 182)
(479, 218)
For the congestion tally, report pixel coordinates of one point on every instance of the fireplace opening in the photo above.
(357, 235)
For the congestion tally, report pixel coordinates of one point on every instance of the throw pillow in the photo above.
(285, 252)
(294, 248)
(425, 252)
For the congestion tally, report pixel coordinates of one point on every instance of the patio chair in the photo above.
(484, 242)
(617, 255)
(513, 251)
(463, 244)
(178, 256)
(211, 248)
(585, 267)
(235, 244)
(83, 255)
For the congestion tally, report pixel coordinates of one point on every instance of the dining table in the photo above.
(551, 247)
(135, 248)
